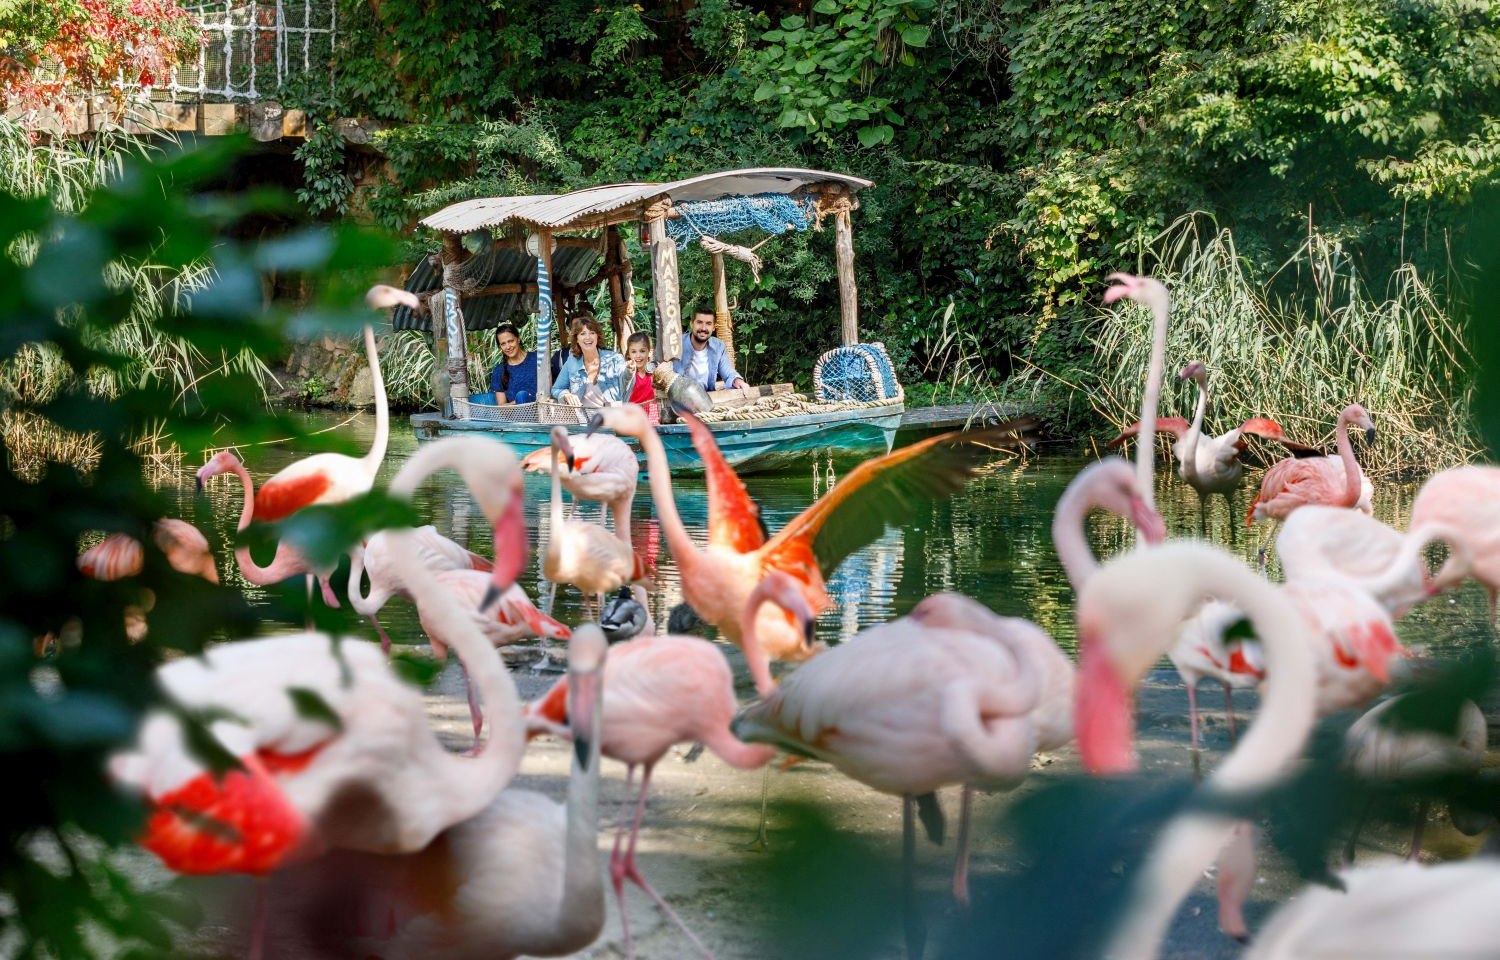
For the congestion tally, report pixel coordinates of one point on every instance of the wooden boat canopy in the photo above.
(617, 203)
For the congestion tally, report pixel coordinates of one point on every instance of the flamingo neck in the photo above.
(1192, 841)
(582, 893)
(1190, 442)
(376, 456)
(556, 512)
(361, 602)
(282, 563)
(755, 656)
(1069, 537)
(736, 752)
(659, 477)
(1146, 451)
(1352, 474)
(247, 511)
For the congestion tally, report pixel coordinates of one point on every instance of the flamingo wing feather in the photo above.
(733, 518)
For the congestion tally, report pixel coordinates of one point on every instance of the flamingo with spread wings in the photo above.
(717, 581)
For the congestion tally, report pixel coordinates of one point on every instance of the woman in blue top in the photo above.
(514, 378)
(588, 364)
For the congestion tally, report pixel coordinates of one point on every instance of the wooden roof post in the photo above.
(616, 297)
(723, 322)
(627, 284)
(843, 247)
(539, 245)
(458, 355)
(664, 283)
(441, 395)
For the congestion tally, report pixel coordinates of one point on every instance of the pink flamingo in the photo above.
(665, 690)
(603, 468)
(717, 581)
(1461, 505)
(434, 551)
(333, 749)
(288, 561)
(1320, 542)
(1204, 651)
(1128, 615)
(1206, 463)
(1150, 293)
(1332, 481)
(120, 555)
(583, 554)
(520, 877)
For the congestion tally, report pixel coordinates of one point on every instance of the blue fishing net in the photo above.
(771, 212)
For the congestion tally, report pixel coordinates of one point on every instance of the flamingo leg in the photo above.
(1229, 711)
(961, 865)
(475, 713)
(258, 918)
(1359, 823)
(329, 597)
(762, 841)
(1192, 690)
(633, 874)
(1416, 833)
(385, 638)
(309, 579)
(1265, 544)
(617, 870)
(1203, 515)
(915, 928)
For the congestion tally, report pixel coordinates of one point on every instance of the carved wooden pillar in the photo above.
(664, 286)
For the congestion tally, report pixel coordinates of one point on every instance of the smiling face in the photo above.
(586, 339)
(510, 346)
(639, 354)
(703, 328)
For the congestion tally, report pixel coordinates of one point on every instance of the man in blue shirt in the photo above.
(705, 359)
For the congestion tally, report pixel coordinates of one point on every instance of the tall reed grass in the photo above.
(1297, 345)
(407, 360)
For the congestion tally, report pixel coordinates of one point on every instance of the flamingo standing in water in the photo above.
(288, 561)
(717, 581)
(1207, 463)
(1333, 481)
(666, 690)
(583, 554)
(520, 877)
(334, 477)
(603, 468)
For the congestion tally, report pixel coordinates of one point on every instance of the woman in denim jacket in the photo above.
(588, 364)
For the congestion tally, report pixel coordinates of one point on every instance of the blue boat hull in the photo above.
(750, 446)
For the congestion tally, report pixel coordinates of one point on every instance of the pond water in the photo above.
(991, 542)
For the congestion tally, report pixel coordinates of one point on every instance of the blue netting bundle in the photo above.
(771, 212)
(860, 372)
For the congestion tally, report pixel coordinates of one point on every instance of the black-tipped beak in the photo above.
(583, 697)
(569, 459)
(1243, 938)
(596, 420)
(198, 482)
(491, 597)
(581, 751)
(1370, 434)
(808, 629)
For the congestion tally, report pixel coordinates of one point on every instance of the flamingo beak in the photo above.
(583, 687)
(1103, 717)
(511, 548)
(809, 628)
(596, 420)
(1150, 523)
(1370, 434)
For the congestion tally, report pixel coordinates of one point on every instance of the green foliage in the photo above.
(63, 714)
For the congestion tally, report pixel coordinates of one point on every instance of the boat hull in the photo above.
(751, 446)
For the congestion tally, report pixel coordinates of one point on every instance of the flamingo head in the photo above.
(783, 590)
(587, 650)
(186, 548)
(1194, 371)
(1143, 290)
(1103, 707)
(382, 296)
(508, 520)
(562, 445)
(1110, 484)
(225, 461)
(627, 419)
(1355, 414)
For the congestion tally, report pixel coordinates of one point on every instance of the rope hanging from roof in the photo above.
(772, 212)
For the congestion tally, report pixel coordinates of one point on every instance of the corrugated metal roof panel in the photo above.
(557, 211)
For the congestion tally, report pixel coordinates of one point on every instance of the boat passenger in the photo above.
(589, 365)
(514, 378)
(706, 360)
(638, 358)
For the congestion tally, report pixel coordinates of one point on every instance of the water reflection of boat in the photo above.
(501, 257)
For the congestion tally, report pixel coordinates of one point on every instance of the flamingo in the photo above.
(120, 555)
(335, 477)
(1152, 294)
(1128, 614)
(583, 554)
(519, 877)
(1204, 651)
(603, 468)
(332, 745)
(434, 551)
(1337, 543)
(717, 581)
(1377, 749)
(665, 690)
(288, 561)
(1462, 506)
(1333, 481)
(1211, 464)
